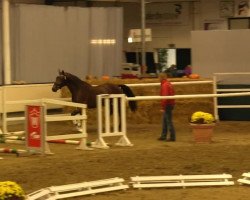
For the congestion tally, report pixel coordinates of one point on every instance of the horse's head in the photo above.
(60, 82)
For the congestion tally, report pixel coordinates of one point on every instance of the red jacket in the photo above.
(167, 90)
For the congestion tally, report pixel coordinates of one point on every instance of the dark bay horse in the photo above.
(82, 92)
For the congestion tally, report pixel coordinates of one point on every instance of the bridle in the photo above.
(58, 86)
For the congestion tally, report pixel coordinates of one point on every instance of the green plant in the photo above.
(200, 117)
(11, 191)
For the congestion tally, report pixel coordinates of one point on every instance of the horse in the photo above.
(83, 92)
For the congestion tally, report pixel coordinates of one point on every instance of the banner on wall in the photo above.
(226, 8)
(162, 13)
(242, 8)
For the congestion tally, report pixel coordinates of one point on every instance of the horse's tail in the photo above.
(129, 93)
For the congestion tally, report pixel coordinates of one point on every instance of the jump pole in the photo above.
(191, 96)
(214, 96)
(13, 151)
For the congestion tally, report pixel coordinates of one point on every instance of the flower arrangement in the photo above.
(202, 118)
(11, 191)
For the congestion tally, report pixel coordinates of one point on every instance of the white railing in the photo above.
(174, 83)
(15, 97)
(243, 91)
(62, 102)
(214, 95)
(24, 92)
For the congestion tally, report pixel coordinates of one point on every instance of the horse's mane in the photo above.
(75, 79)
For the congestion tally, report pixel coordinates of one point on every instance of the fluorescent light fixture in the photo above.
(103, 41)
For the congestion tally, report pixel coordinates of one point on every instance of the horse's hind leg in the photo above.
(119, 115)
(118, 110)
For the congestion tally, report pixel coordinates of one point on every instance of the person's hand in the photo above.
(162, 110)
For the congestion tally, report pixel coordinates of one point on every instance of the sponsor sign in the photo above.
(135, 35)
(35, 127)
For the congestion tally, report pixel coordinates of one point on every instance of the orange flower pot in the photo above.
(202, 133)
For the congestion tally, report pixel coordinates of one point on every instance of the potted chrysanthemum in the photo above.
(11, 191)
(202, 125)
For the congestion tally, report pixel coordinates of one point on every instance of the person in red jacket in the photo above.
(167, 106)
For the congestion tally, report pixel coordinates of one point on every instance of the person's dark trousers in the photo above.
(167, 124)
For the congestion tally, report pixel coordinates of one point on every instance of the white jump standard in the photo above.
(32, 122)
(118, 102)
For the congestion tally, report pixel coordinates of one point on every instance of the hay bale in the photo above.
(149, 111)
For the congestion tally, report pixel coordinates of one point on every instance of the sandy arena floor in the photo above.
(229, 153)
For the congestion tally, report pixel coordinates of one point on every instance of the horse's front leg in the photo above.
(77, 123)
(76, 111)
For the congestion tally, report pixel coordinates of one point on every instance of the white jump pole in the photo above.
(123, 116)
(215, 99)
(191, 96)
(107, 113)
(173, 83)
(4, 110)
(6, 41)
(115, 115)
(100, 141)
(233, 73)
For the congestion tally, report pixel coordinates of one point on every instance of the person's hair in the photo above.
(163, 75)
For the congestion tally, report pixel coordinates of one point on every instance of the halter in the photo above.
(58, 86)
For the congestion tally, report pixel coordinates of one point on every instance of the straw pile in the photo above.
(149, 111)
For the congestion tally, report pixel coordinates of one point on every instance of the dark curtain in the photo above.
(150, 63)
(183, 58)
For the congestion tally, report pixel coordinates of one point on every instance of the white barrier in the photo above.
(22, 103)
(43, 194)
(245, 179)
(215, 91)
(216, 106)
(214, 96)
(181, 181)
(119, 102)
(191, 96)
(115, 184)
(15, 97)
(24, 92)
(79, 189)
(173, 83)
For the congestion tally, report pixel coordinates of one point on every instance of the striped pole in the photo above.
(20, 139)
(67, 142)
(14, 151)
